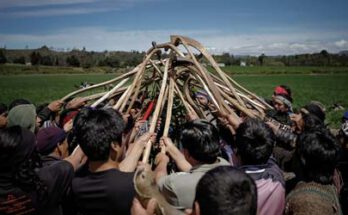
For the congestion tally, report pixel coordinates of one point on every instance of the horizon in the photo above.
(223, 26)
(66, 50)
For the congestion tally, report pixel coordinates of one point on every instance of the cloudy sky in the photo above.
(237, 26)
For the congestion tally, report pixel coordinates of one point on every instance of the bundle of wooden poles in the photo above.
(171, 72)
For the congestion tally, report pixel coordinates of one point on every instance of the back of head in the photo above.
(319, 153)
(226, 190)
(17, 102)
(48, 139)
(201, 139)
(254, 142)
(313, 116)
(23, 115)
(96, 129)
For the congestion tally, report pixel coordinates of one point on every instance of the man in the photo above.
(104, 189)
(204, 101)
(254, 145)
(52, 144)
(318, 153)
(225, 190)
(200, 142)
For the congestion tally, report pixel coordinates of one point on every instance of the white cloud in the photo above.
(342, 43)
(99, 39)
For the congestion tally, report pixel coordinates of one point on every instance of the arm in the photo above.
(130, 162)
(77, 158)
(45, 113)
(161, 169)
(176, 155)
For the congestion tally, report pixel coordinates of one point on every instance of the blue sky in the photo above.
(237, 26)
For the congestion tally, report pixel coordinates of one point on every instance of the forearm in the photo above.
(77, 158)
(160, 171)
(182, 164)
(130, 162)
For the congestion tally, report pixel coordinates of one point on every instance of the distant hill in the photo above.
(122, 59)
(343, 53)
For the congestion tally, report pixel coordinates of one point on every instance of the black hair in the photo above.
(17, 102)
(201, 139)
(254, 141)
(318, 151)
(96, 129)
(226, 190)
(23, 169)
(3, 108)
(316, 111)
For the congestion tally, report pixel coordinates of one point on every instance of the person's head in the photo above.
(99, 133)
(18, 159)
(254, 142)
(202, 97)
(52, 140)
(17, 102)
(225, 190)
(310, 116)
(23, 115)
(200, 141)
(282, 90)
(318, 152)
(282, 103)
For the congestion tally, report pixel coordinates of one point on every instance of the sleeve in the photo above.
(167, 189)
(287, 137)
(44, 114)
(57, 177)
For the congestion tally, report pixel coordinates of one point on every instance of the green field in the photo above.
(326, 88)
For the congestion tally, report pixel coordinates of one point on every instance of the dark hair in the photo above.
(17, 102)
(3, 108)
(96, 129)
(313, 117)
(19, 160)
(254, 142)
(201, 139)
(226, 190)
(318, 151)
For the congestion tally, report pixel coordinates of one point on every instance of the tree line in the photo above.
(117, 59)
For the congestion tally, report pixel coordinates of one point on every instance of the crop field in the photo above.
(326, 88)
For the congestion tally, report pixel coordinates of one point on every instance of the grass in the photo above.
(326, 88)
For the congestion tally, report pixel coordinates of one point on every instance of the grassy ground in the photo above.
(326, 88)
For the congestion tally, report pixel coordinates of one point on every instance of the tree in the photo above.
(20, 60)
(3, 58)
(73, 61)
(47, 61)
(261, 59)
(35, 58)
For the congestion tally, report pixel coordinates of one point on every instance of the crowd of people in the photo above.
(68, 158)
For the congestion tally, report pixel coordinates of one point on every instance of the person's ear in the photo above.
(114, 146)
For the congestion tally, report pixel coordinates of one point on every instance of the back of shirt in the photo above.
(106, 192)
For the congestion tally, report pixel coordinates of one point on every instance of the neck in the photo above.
(98, 166)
